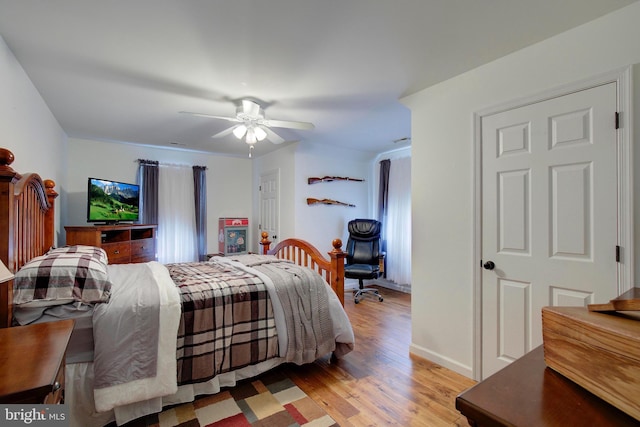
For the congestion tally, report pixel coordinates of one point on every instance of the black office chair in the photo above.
(364, 259)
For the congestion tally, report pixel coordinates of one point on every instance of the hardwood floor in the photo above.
(379, 383)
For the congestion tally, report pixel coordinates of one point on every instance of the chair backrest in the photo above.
(363, 245)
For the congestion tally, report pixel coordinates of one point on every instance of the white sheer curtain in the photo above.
(176, 215)
(398, 227)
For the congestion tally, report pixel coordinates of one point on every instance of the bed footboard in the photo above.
(303, 253)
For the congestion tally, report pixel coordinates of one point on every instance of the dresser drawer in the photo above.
(118, 253)
(57, 389)
(143, 250)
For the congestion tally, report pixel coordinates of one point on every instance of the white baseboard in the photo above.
(351, 284)
(443, 361)
(392, 285)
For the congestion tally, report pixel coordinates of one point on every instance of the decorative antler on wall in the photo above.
(315, 180)
(312, 201)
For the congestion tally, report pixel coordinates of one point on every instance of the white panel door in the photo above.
(549, 216)
(269, 203)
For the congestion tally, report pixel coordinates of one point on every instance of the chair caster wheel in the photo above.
(380, 299)
(356, 301)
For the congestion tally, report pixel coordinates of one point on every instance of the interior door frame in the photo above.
(623, 80)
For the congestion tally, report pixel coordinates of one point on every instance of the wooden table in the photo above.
(32, 362)
(527, 393)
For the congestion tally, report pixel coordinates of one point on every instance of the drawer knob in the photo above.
(116, 252)
(56, 386)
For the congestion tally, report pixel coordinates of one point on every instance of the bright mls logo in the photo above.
(35, 415)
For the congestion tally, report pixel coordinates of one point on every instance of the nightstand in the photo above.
(528, 393)
(32, 360)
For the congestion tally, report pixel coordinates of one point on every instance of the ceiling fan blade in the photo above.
(272, 136)
(287, 124)
(250, 108)
(224, 132)
(209, 116)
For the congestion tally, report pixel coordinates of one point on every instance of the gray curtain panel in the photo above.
(383, 202)
(200, 188)
(148, 171)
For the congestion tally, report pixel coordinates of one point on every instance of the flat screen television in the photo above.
(112, 201)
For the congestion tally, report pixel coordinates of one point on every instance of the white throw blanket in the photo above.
(128, 304)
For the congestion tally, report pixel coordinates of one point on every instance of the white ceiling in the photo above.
(121, 70)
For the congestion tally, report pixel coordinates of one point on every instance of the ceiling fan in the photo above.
(252, 124)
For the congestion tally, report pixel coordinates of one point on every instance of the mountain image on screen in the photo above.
(113, 201)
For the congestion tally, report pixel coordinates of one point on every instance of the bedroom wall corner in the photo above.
(29, 128)
(225, 197)
(283, 161)
(442, 188)
(635, 138)
(318, 223)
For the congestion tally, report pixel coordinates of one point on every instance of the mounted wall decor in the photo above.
(312, 201)
(315, 180)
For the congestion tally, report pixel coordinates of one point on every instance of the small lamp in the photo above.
(6, 295)
(5, 274)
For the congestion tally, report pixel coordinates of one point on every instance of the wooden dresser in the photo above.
(124, 244)
(32, 360)
(529, 394)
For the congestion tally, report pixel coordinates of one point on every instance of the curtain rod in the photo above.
(157, 163)
(147, 162)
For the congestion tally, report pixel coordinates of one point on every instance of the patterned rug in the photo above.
(270, 400)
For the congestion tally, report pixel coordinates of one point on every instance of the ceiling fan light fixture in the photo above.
(250, 124)
(259, 133)
(239, 131)
(251, 136)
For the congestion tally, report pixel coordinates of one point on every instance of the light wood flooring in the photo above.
(379, 383)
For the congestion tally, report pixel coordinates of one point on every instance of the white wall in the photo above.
(319, 224)
(283, 161)
(228, 178)
(27, 127)
(442, 187)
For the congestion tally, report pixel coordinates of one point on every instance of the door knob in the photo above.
(489, 265)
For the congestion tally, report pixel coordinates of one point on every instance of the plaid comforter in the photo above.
(227, 320)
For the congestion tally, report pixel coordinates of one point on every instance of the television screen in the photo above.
(112, 201)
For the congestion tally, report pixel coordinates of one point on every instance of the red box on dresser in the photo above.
(233, 235)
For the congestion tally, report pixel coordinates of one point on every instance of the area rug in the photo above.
(272, 400)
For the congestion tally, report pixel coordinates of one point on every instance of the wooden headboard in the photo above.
(27, 223)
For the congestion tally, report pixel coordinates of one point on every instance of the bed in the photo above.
(178, 330)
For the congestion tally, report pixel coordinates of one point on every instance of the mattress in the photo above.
(80, 347)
